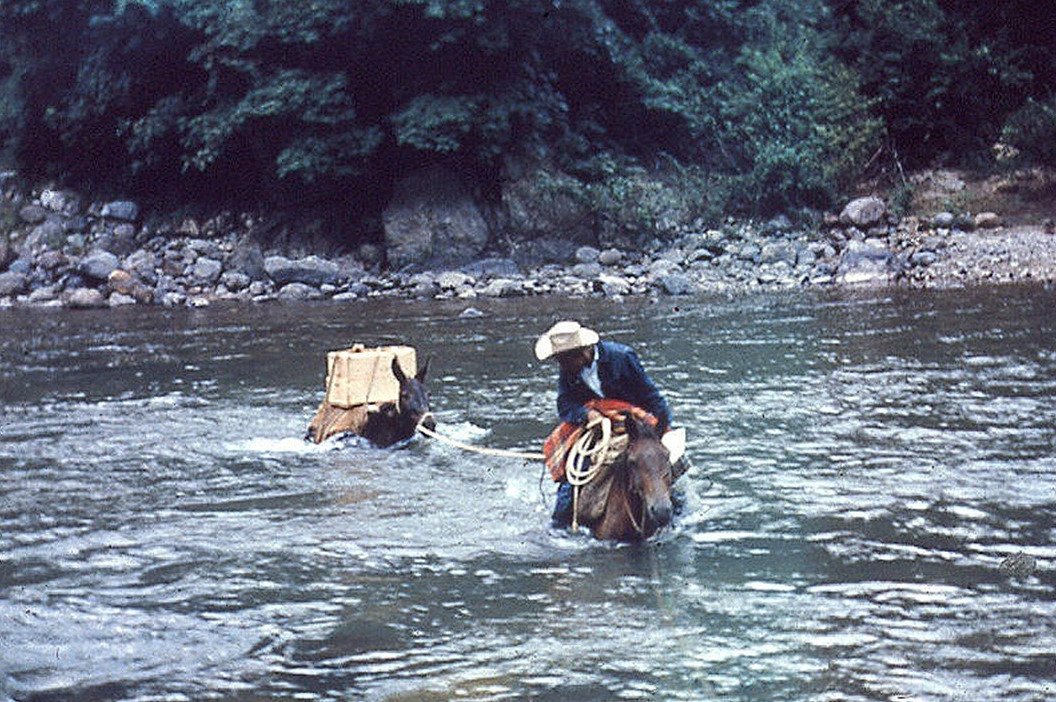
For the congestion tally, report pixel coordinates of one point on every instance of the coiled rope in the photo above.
(580, 466)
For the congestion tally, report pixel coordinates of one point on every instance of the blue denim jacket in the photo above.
(622, 378)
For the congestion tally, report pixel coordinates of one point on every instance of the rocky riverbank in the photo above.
(57, 250)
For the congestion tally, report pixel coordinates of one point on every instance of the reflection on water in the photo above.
(871, 517)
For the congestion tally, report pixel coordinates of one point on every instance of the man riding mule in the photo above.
(593, 370)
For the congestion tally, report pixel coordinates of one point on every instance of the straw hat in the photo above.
(562, 337)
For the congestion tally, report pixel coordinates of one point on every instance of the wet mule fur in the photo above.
(385, 425)
(639, 499)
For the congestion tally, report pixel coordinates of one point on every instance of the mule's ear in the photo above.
(631, 426)
(420, 376)
(397, 371)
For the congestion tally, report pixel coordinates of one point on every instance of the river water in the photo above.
(871, 514)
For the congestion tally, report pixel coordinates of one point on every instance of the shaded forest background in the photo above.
(702, 107)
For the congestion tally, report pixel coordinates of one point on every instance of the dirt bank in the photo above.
(1018, 247)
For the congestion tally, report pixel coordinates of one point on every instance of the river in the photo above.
(871, 514)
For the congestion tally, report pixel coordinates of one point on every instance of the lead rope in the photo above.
(476, 449)
(580, 467)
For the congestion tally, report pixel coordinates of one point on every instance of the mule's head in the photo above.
(648, 467)
(413, 404)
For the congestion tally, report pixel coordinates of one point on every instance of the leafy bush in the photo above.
(1030, 131)
(780, 101)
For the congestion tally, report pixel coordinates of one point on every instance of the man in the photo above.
(593, 369)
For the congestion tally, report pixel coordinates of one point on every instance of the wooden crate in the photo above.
(361, 375)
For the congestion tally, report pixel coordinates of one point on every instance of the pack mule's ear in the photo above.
(398, 371)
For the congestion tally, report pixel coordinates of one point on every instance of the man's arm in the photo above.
(569, 403)
(645, 392)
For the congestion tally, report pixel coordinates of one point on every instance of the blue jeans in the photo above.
(562, 516)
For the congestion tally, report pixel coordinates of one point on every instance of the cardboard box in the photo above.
(359, 375)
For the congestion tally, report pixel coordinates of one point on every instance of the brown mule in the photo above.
(385, 424)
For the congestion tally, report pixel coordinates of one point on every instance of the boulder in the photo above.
(142, 264)
(235, 280)
(311, 270)
(125, 210)
(124, 283)
(206, 271)
(943, 220)
(432, 221)
(247, 259)
(493, 267)
(863, 212)
(587, 254)
(988, 220)
(47, 234)
(62, 201)
(675, 283)
(12, 283)
(7, 251)
(298, 291)
(85, 298)
(33, 214)
(866, 261)
(540, 202)
(98, 265)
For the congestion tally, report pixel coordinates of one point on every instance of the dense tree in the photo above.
(772, 104)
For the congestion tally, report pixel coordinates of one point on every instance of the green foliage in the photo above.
(1030, 132)
(795, 127)
(647, 103)
(437, 123)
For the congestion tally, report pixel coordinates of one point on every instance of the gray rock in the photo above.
(311, 270)
(206, 271)
(587, 254)
(778, 252)
(865, 262)
(943, 220)
(51, 260)
(613, 285)
(12, 283)
(85, 298)
(541, 202)
(120, 300)
(503, 287)
(587, 270)
(63, 201)
(610, 257)
(675, 284)
(7, 251)
(293, 292)
(988, 220)
(47, 234)
(235, 280)
(247, 258)
(432, 221)
(99, 264)
(453, 280)
(864, 212)
(493, 267)
(33, 214)
(125, 210)
(923, 258)
(142, 264)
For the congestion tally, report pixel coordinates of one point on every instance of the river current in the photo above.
(871, 514)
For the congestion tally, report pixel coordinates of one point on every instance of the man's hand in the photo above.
(594, 415)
